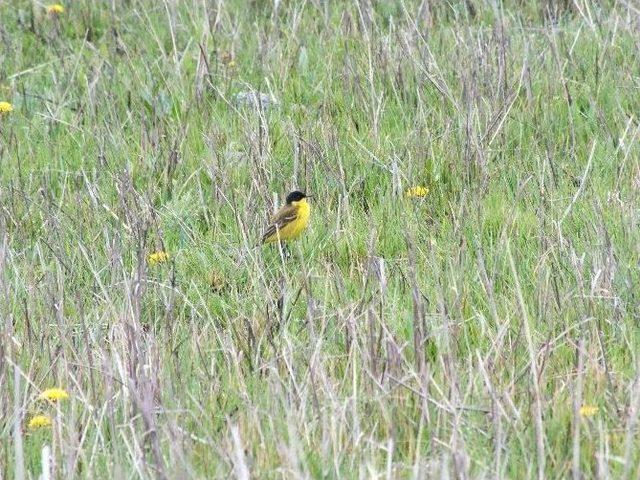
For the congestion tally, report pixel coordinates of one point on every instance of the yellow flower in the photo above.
(39, 421)
(588, 410)
(6, 107)
(55, 9)
(54, 394)
(417, 191)
(157, 257)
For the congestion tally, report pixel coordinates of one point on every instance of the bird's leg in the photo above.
(284, 250)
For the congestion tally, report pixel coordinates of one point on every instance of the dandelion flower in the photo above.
(588, 410)
(54, 394)
(55, 9)
(417, 191)
(39, 421)
(6, 107)
(157, 257)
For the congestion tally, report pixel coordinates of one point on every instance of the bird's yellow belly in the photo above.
(293, 229)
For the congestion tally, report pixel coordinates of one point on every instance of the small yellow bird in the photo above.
(290, 221)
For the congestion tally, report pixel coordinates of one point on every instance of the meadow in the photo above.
(464, 304)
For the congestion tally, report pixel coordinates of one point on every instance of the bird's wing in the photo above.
(281, 219)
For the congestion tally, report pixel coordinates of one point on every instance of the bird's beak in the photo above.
(308, 196)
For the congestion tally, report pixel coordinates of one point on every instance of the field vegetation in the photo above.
(464, 304)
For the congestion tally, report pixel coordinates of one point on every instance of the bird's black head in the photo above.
(295, 197)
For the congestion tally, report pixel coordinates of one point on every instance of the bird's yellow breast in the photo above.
(294, 228)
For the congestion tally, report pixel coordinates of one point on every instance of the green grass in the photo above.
(397, 340)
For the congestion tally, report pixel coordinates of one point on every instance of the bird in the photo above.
(290, 221)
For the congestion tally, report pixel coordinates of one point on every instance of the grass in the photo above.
(455, 334)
